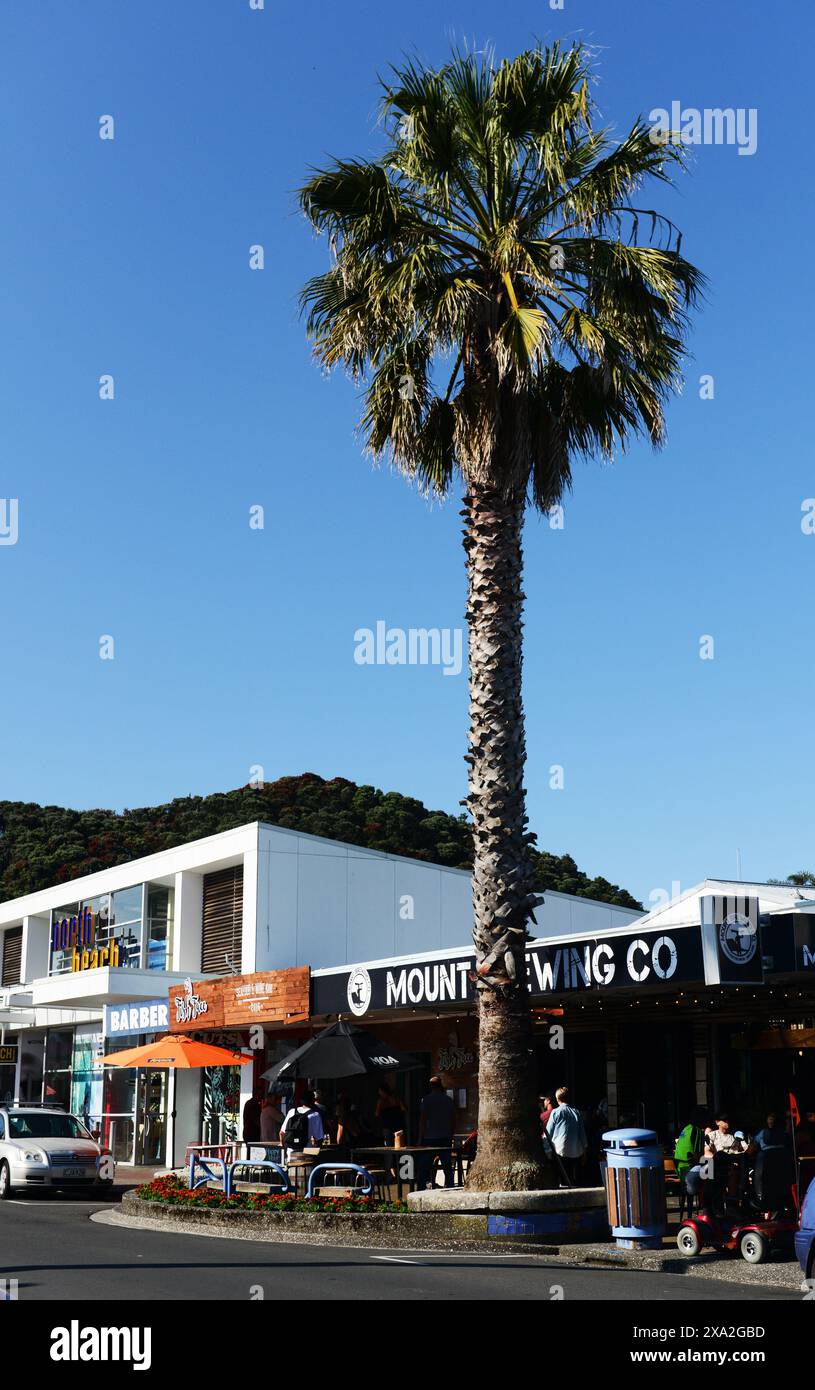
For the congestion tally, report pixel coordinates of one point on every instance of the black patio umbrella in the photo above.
(341, 1049)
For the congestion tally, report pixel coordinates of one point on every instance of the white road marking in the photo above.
(393, 1260)
(21, 1202)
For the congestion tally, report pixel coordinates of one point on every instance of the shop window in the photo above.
(116, 920)
(12, 955)
(159, 927)
(59, 1044)
(32, 1050)
(126, 906)
(221, 1104)
(86, 1077)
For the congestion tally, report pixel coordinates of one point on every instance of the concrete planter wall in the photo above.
(415, 1229)
(560, 1214)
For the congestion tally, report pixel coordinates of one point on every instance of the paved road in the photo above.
(49, 1244)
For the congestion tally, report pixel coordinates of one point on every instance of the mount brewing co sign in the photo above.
(617, 962)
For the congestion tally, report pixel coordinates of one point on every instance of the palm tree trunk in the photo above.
(509, 1154)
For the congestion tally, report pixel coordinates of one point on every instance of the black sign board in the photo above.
(730, 931)
(805, 943)
(554, 968)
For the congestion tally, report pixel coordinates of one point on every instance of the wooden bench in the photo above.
(267, 1188)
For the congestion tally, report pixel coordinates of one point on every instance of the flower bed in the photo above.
(172, 1191)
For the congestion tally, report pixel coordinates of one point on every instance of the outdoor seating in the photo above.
(202, 1174)
(265, 1176)
(299, 1169)
(215, 1172)
(333, 1168)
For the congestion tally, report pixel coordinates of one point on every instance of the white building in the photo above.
(254, 899)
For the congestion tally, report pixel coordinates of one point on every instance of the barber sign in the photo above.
(137, 1016)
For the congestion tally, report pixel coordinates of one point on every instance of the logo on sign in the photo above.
(738, 938)
(455, 1058)
(189, 1006)
(359, 991)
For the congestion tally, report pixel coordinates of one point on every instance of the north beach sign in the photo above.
(620, 962)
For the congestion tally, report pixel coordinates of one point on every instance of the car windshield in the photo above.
(40, 1125)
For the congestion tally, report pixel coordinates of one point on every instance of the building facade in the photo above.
(88, 966)
(258, 936)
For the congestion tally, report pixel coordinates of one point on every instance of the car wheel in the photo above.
(687, 1241)
(5, 1181)
(754, 1247)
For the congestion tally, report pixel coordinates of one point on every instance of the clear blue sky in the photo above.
(234, 647)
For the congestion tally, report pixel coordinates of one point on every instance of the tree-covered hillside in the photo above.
(41, 845)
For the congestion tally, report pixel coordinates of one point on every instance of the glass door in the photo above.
(151, 1116)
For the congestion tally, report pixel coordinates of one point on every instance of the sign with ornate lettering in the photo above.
(188, 1005)
(237, 1001)
(455, 1059)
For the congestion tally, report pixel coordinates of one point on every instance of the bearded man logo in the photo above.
(738, 938)
(359, 991)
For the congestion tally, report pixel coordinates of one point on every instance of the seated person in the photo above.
(690, 1143)
(720, 1145)
(722, 1141)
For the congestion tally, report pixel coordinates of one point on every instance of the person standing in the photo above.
(271, 1118)
(566, 1133)
(547, 1105)
(436, 1119)
(251, 1116)
(390, 1113)
(302, 1127)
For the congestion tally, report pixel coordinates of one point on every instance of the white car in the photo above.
(46, 1148)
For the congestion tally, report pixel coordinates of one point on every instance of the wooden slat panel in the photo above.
(623, 1204)
(12, 955)
(267, 996)
(222, 924)
(658, 1195)
(611, 1197)
(635, 1177)
(234, 1001)
(634, 1187)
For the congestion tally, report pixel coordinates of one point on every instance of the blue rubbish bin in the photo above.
(634, 1178)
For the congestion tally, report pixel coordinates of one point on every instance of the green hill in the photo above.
(41, 845)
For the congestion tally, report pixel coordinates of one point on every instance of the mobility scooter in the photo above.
(754, 1223)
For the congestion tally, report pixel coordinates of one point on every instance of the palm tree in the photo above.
(506, 309)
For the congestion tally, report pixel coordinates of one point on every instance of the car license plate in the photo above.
(74, 1173)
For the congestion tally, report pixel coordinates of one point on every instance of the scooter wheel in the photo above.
(754, 1247)
(687, 1241)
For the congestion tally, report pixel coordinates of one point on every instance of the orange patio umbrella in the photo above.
(171, 1051)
